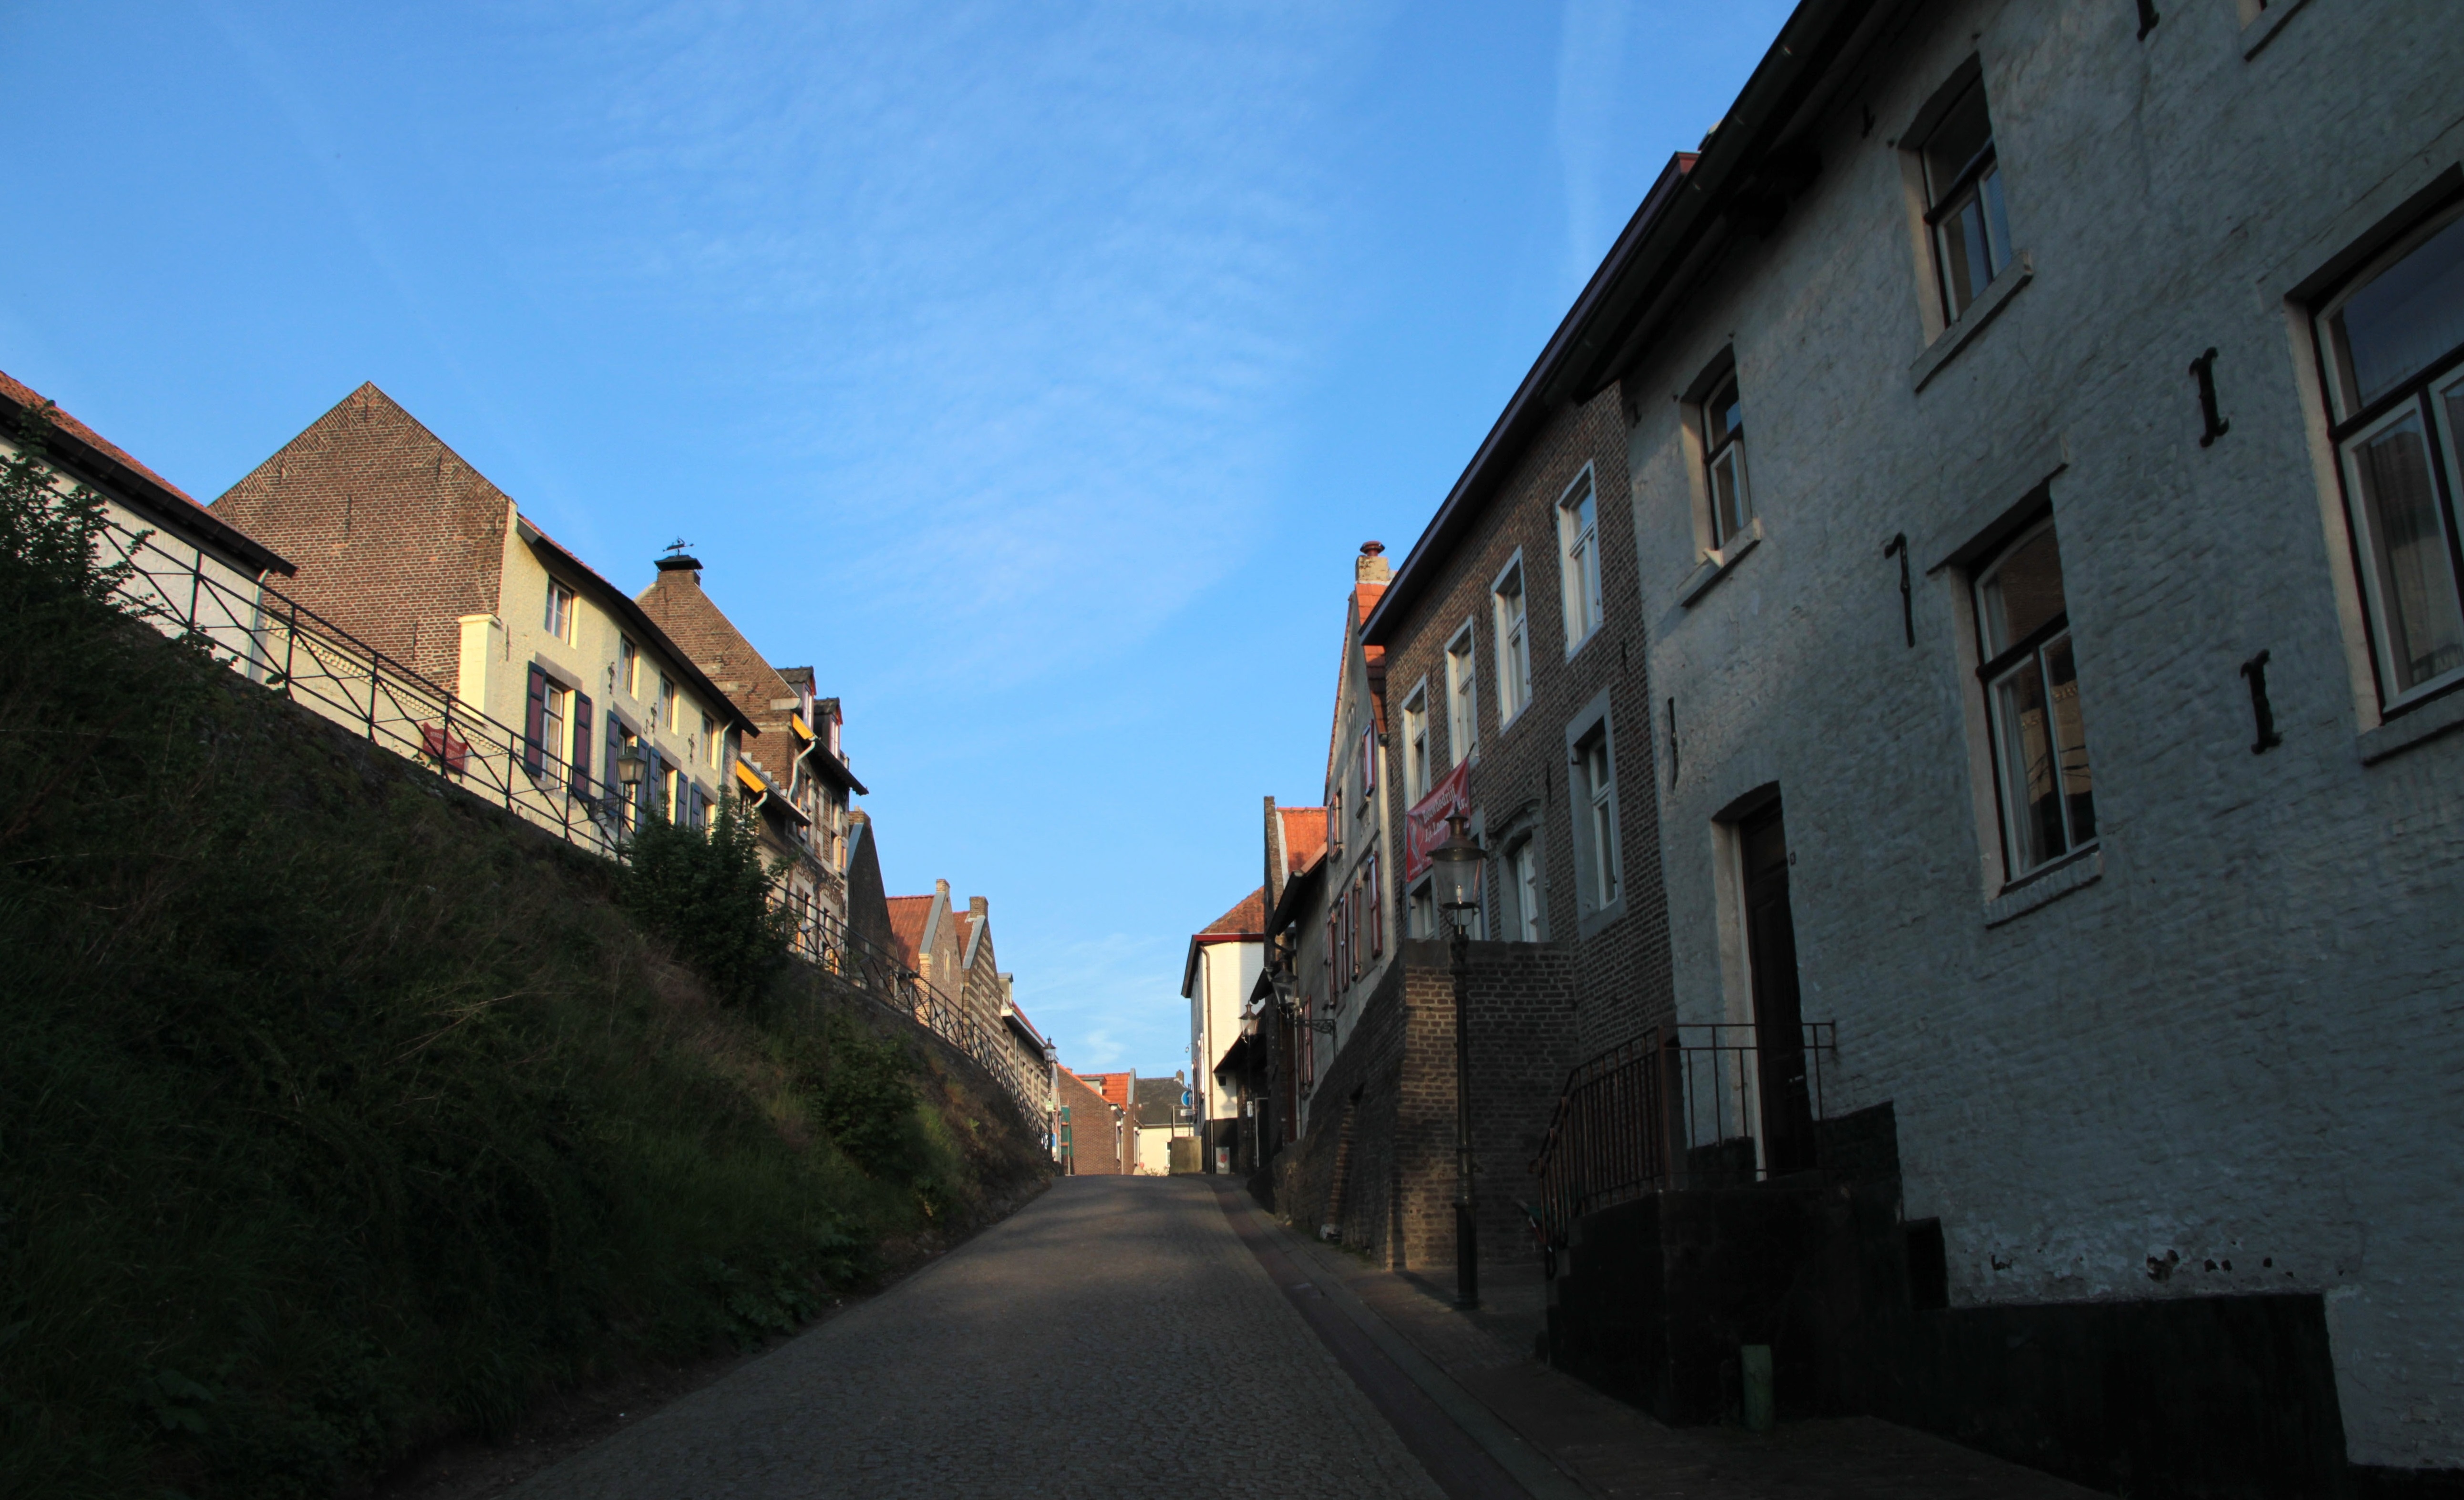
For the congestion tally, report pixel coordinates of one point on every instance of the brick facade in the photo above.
(1377, 1162)
(1520, 778)
(1094, 1138)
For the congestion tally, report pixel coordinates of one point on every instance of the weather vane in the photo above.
(678, 547)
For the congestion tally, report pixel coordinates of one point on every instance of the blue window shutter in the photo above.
(582, 743)
(536, 722)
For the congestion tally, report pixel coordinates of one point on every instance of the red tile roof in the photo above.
(907, 918)
(1247, 919)
(25, 395)
(17, 391)
(1304, 837)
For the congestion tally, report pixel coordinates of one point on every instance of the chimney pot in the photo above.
(1372, 566)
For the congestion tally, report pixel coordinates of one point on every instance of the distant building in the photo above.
(1091, 1131)
(1161, 1117)
(1226, 959)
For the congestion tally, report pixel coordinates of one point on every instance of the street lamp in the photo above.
(1457, 865)
(629, 762)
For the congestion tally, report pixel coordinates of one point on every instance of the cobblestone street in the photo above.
(1112, 1337)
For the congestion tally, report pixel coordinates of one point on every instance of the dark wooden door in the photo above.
(1779, 1020)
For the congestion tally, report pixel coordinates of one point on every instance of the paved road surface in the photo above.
(1113, 1337)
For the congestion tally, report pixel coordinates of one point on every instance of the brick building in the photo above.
(926, 939)
(1092, 1132)
(2011, 790)
(795, 777)
(400, 542)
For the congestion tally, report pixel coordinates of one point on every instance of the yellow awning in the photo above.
(796, 723)
(750, 782)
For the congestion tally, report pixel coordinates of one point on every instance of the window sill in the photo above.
(1592, 922)
(2045, 887)
(1717, 562)
(2426, 722)
(2021, 270)
(1574, 649)
(2263, 27)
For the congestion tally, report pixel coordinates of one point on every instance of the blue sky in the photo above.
(1034, 371)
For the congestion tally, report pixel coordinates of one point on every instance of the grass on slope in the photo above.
(339, 1115)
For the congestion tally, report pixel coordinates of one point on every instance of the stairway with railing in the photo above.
(274, 641)
(1671, 1108)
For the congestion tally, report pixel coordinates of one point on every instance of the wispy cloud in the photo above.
(1107, 999)
(1034, 282)
(1591, 65)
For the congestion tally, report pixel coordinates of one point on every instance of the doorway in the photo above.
(1779, 1018)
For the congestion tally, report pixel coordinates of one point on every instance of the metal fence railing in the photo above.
(276, 641)
(1633, 1120)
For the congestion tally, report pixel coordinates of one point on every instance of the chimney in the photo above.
(680, 560)
(942, 887)
(978, 908)
(1371, 568)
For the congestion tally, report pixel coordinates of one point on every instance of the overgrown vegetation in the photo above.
(339, 1115)
(704, 892)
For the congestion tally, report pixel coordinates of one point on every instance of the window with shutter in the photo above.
(535, 722)
(582, 745)
(1376, 913)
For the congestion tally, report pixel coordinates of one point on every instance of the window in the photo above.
(628, 808)
(1521, 910)
(1972, 234)
(1420, 912)
(1513, 644)
(672, 793)
(1335, 826)
(669, 709)
(2031, 702)
(1579, 557)
(709, 741)
(1724, 461)
(628, 667)
(554, 705)
(1416, 747)
(1335, 958)
(1367, 767)
(2391, 344)
(1463, 698)
(1595, 785)
(560, 611)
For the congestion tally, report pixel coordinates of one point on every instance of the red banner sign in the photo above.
(1424, 827)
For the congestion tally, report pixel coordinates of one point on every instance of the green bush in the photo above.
(866, 1097)
(338, 1113)
(707, 893)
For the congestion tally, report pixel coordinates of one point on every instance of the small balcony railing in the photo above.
(1695, 1106)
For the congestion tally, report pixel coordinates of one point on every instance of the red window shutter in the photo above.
(1376, 910)
(1368, 760)
(582, 743)
(535, 723)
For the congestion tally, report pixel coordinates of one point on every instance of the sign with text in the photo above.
(1424, 827)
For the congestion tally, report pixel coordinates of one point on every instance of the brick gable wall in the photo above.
(395, 537)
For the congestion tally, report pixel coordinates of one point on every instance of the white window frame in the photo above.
(1977, 181)
(669, 704)
(628, 667)
(1520, 882)
(2425, 397)
(1594, 809)
(1578, 562)
(1993, 674)
(563, 602)
(555, 732)
(1416, 761)
(1463, 697)
(1510, 628)
(1728, 521)
(1421, 909)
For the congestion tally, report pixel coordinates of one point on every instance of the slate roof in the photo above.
(1159, 1102)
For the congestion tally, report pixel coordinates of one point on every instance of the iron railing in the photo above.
(1633, 1120)
(274, 640)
